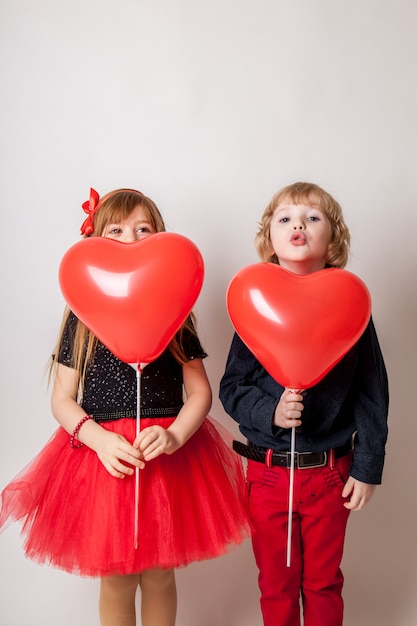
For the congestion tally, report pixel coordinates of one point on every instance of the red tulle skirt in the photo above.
(79, 518)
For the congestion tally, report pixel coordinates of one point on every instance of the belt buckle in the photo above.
(301, 462)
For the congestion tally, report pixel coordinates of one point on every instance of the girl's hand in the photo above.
(116, 453)
(155, 440)
(289, 410)
(358, 493)
(118, 456)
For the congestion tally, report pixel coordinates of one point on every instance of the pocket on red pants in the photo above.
(337, 476)
(259, 475)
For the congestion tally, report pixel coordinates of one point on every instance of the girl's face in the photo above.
(300, 236)
(133, 228)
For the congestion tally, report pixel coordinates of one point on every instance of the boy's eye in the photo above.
(284, 220)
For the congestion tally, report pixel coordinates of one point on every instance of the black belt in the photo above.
(150, 412)
(302, 460)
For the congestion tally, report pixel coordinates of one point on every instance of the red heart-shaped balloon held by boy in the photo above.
(133, 297)
(298, 327)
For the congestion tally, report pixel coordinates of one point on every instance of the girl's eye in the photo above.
(143, 229)
(114, 231)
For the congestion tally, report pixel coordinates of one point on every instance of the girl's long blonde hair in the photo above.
(313, 195)
(115, 207)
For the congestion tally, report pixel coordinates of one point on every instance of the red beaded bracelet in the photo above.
(82, 421)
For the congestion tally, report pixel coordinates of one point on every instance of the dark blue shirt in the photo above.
(352, 397)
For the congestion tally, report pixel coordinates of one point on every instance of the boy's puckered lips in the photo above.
(298, 239)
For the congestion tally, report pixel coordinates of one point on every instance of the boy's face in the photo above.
(300, 236)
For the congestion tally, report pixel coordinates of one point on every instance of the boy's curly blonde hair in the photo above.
(313, 195)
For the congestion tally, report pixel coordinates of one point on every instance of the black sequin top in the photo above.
(110, 389)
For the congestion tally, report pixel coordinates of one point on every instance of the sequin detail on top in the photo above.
(110, 384)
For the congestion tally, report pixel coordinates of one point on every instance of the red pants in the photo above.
(318, 533)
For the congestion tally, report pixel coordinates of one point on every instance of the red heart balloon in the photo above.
(133, 297)
(298, 327)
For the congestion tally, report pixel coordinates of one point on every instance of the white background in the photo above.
(209, 108)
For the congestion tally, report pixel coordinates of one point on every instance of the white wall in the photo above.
(209, 108)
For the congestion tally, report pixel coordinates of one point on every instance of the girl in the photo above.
(303, 230)
(76, 498)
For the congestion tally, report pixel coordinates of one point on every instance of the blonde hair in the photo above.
(311, 194)
(115, 207)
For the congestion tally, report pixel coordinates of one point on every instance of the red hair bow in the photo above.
(90, 207)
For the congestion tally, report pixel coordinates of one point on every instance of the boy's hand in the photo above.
(289, 410)
(358, 493)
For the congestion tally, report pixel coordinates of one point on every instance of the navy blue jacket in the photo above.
(352, 397)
